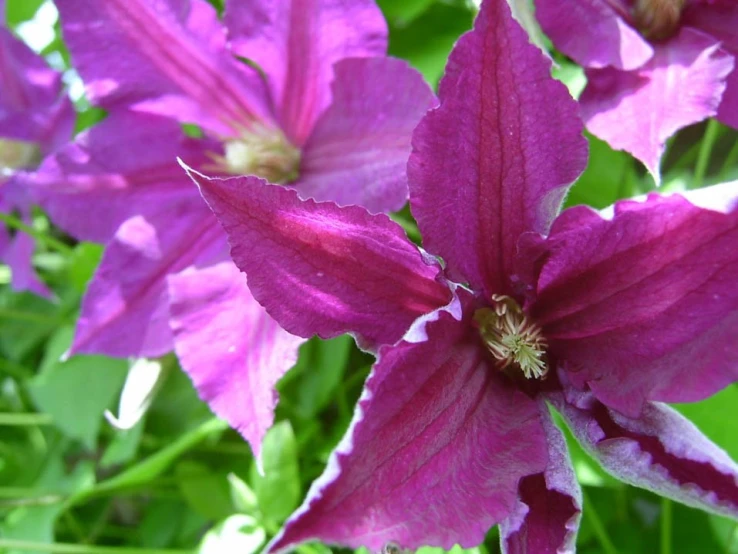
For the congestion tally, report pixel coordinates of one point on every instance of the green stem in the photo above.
(63, 548)
(729, 161)
(703, 157)
(25, 419)
(152, 466)
(6, 313)
(48, 240)
(598, 527)
(665, 526)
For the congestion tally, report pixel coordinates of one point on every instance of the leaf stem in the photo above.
(28, 420)
(64, 548)
(665, 526)
(48, 240)
(6, 313)
(597, 526)
(703, 157)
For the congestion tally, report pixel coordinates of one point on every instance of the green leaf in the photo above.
(427, 40)
(243, 498)
(278, 489)
(77, 392)
(239, 534)
(122, 449)
(713, 417)
(83, 263)
(205, 491)
(18, 11)
(403, 11)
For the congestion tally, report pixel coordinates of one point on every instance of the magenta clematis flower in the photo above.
(652, 66)
(324, 112)
(35, 118)
(602, 315)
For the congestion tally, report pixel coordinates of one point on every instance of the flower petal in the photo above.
(126, 309)
(547, 518)
(122, 167)
(296, 43)
(228, 345)
(358, 151)
(660, 451)
(33, 107)
(434, 454)
(19, 257)
(319, 268)
(162, 56)
(720, 20)
(643, 306)
(595, 33)
(638, 111)
(494, 160)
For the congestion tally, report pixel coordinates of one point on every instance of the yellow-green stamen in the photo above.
(658, 19)
(17, 154)
(261, 151)
(511, 338)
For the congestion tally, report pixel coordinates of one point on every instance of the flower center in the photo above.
(658, 19)
(511, 338)
(261, 151)
(16, 154)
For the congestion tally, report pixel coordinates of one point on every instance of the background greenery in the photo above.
(180, 480)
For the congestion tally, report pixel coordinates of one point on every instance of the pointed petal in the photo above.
(163, 56)
(638, 111)
(643, 306)
(357, 154)
(126, 309)
(19, 257)
(595, 33)
(296, 43)
(547, 516)
(495, 158)
(434, 454)
(321, 269)
(720, 20)
(660, 451)
(228, 345)
(122, 167)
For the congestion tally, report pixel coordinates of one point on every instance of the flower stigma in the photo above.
(261, 151)
(17, 154)
(511, 338)
(658, 19)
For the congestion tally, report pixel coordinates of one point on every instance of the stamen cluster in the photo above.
(261, 151)
(511, 338)
(15, 154)
(658, 19)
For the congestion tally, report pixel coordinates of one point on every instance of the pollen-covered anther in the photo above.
(17, 154)
(658, 19)
(261, 151)
(512, 338)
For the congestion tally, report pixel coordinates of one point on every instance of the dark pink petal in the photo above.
(163, 56)
(550, 505)
(228, 345)
(126, 309)
(643, 305)
(495, 158)
(595, 33)
(438, 444)
(720, 20)
(124, 166)
(296, 43)
(638, 111)
(661, 451)
(321, 269)
(357, 154)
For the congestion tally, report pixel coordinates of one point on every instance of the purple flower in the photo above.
(35, 118)
(603, 315)
(652, 66)
(324, 112)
